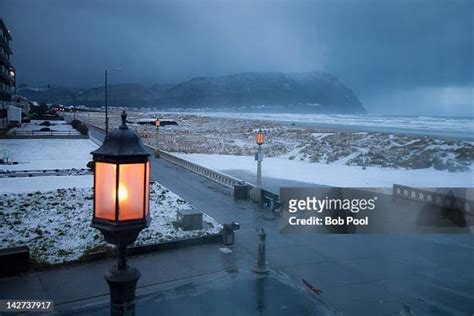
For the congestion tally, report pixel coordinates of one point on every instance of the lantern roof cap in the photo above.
(122, 141)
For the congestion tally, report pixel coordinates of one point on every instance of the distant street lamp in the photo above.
(260, 140)
(260, 137)
(121, 206)
(157, 124)
(106, 105)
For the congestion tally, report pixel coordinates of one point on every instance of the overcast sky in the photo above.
(399, 57)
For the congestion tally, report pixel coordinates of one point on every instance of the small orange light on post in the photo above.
(260, 137)
(157, 122)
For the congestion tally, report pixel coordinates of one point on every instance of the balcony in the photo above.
(5, 78)
(5, 96)
(4, 44)
(5, 61)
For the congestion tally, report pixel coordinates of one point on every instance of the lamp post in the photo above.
(260, 140)
(106, 105)
(121, 206)
(157, 124)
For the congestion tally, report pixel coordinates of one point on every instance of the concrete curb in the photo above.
(145, 249)
(131, 251)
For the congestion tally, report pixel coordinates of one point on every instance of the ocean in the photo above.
(461, 128)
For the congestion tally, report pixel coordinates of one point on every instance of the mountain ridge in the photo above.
(315, 92)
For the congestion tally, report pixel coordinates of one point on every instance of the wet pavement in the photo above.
(233, 293)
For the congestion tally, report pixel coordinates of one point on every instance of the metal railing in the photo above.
(44, 133)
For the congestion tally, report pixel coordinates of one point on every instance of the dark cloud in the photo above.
(376, 47)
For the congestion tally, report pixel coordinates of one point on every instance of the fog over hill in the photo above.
(310, 92)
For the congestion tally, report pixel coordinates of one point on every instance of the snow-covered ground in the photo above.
(44, 184)
(34, 125)
(56, 224)
(41, 154)
(334, 174)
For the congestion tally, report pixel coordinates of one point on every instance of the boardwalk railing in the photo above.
(216, 176)
(445, 200)
(97, 138)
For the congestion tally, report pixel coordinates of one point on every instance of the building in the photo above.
(21, 102)
(7, 74)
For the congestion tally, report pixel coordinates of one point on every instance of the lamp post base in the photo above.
(122, 284)
(260, 270)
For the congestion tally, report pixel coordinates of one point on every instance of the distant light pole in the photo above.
(121, 206)
(49, 95)
(260, 140)
(157, 124)
(106, 105)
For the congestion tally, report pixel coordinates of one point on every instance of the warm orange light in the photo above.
(132, 194)
(157, 122)
(104, 190)
(131, 191)
(122, 193)
(260, 137)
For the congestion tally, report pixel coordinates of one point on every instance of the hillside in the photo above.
(315, 92)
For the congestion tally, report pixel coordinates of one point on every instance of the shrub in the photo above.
(45, 129)
(79, 126)
(41, 109)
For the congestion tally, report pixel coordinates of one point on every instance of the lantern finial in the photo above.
(124, 120)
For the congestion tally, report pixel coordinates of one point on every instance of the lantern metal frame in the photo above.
(122, 146)
(257, 195)
(116, 225)
(260, 133)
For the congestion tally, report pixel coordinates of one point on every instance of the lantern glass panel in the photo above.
(131, 191)
(260, 138)
(104, 190)
(147, 188)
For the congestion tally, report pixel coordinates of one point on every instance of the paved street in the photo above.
(358, 274)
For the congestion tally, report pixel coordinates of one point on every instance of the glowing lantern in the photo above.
(157, 122)
(121, 185)
(260, 137)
